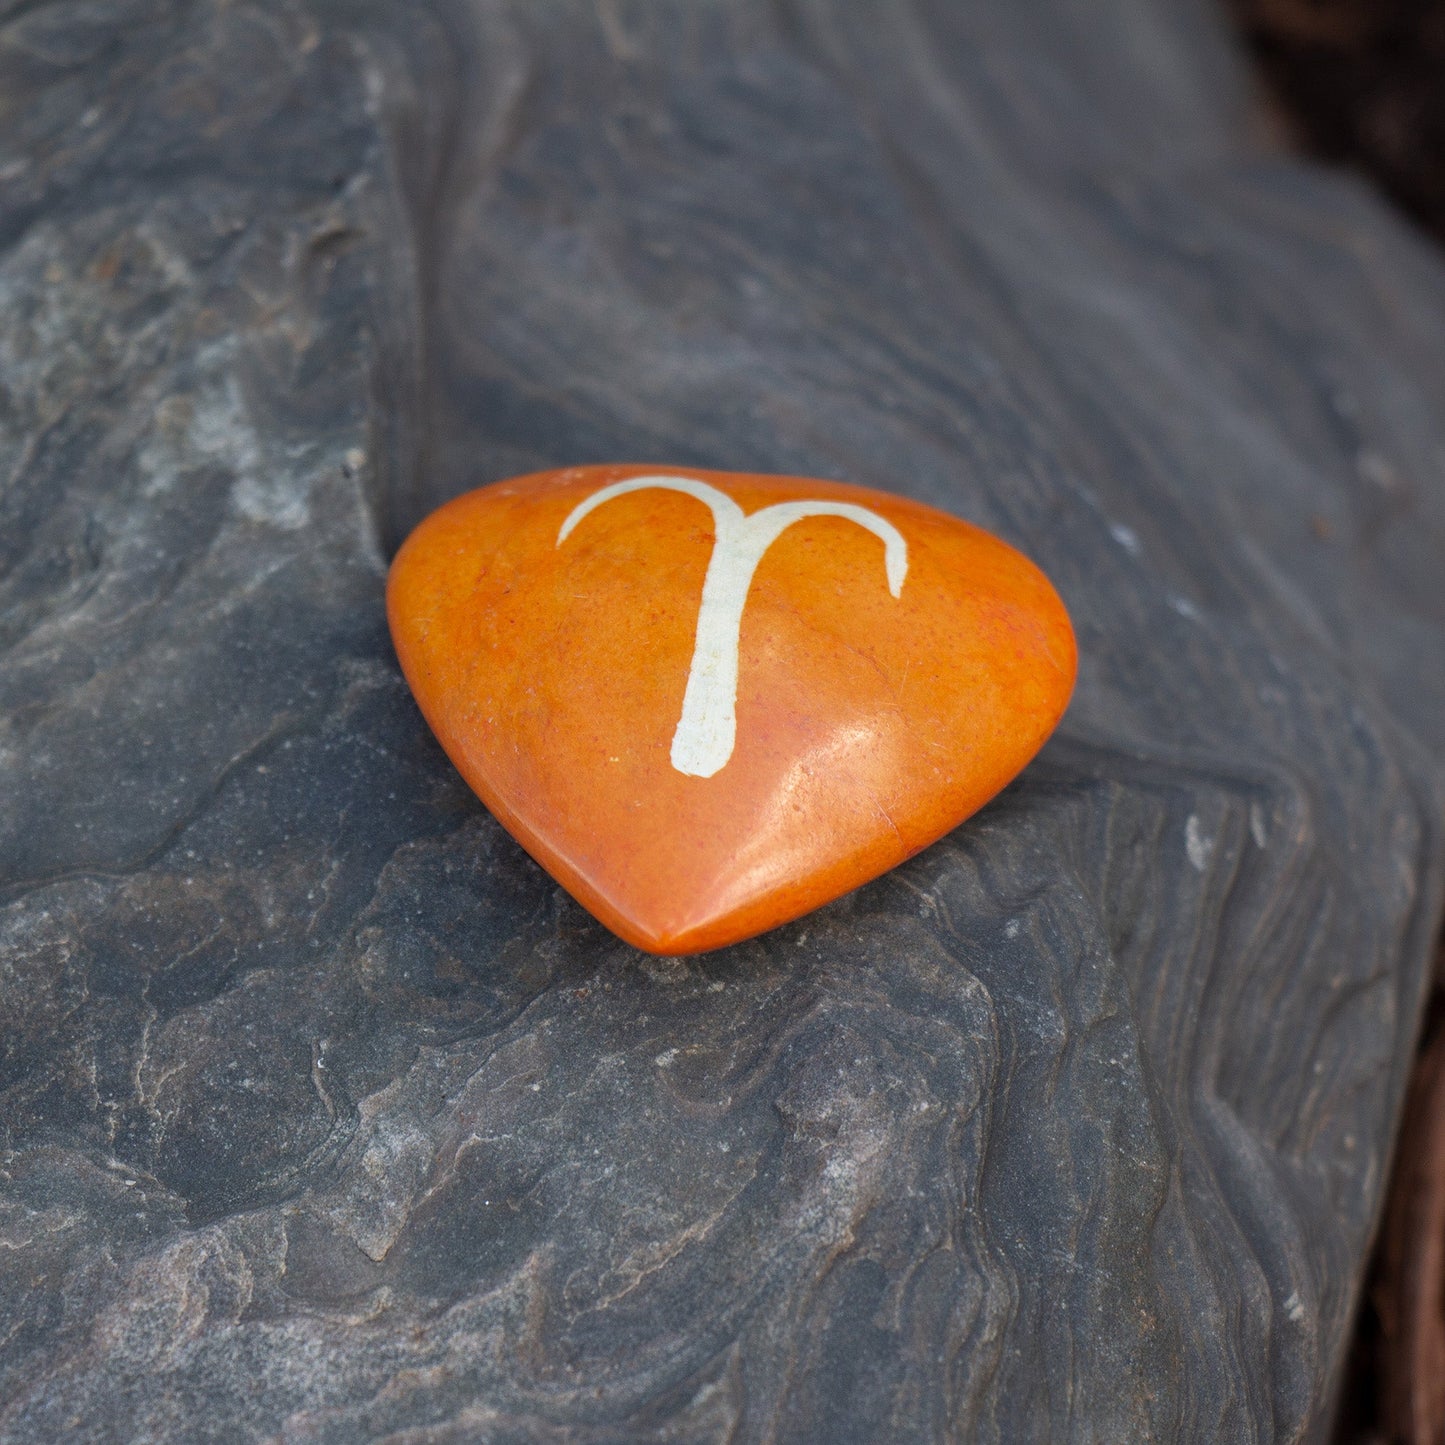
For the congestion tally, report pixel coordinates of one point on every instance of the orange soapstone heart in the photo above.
(707, 702)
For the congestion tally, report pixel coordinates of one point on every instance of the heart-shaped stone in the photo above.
(707, 702)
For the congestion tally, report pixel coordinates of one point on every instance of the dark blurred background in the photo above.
(1361, 82)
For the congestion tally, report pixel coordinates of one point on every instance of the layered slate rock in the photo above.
(325, 1114)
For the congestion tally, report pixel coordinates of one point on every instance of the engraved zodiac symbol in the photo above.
(707, 729)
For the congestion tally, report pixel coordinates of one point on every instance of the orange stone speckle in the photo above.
(704, 717)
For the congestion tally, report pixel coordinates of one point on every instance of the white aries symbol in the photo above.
(707, 729)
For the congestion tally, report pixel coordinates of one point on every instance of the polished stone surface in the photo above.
(325, 1114)
(709, 703)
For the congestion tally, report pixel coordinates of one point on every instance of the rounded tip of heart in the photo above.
(710, 702)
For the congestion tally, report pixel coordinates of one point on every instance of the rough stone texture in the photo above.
(324, 1115)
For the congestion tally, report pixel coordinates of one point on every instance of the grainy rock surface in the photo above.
(324, 1115)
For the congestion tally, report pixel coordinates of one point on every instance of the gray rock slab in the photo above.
(324, 1114)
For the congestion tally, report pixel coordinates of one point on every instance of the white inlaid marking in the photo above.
(707, 729)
